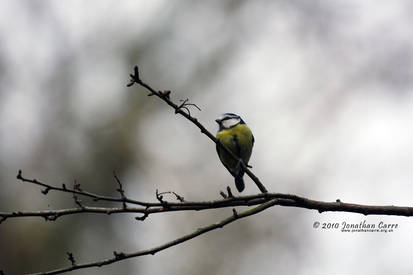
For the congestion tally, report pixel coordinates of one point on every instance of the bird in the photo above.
(235, 135)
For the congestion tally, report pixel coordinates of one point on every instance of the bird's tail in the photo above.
(239, 183)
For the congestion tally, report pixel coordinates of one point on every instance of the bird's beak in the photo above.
(217, 121)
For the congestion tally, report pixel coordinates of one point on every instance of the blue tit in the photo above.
(235, 135)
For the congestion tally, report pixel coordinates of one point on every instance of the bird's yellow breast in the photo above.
(239, 140)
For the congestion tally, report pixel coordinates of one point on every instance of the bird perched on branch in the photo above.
(235, 135)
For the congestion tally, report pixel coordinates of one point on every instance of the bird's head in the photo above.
(228, 120)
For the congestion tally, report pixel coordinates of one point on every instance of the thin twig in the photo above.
(120, 190)
(71, 258)
(76, 187)
(177, 196)
(95, 197)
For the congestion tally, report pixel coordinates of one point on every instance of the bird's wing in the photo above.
(220, 158)
(237, 146)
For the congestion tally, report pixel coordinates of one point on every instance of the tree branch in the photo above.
(165, 96)
(119, 256)
(78, 191)
(162, 206)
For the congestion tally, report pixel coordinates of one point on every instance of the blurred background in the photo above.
(326, 87)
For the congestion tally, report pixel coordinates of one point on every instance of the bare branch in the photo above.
(135, 78)
(120, 190)
(229, 192)
(251, 200)
(78, 191)
(119, 256)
